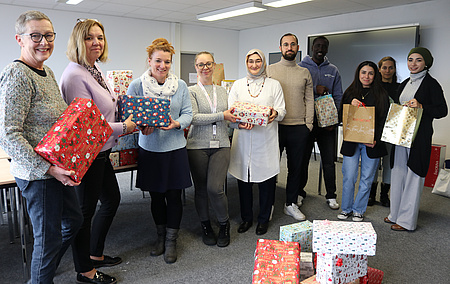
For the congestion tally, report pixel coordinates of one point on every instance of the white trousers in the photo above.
(406, 190)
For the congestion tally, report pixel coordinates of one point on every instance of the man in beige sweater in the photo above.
(295, 128)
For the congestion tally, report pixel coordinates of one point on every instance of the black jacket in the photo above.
(431, 96)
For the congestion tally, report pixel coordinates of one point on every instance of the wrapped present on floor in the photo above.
(276, 262)
(342, 249)
(76, 138)
(119, 80)
(251, 113)
(128, 157)
(326, 111)
(340, 268)
(306, 265)
(298, 232)
(115, 159)
(374, 276)
(127, 141)
(147, 111)
(312, 280)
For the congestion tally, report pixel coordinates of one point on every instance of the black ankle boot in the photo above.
(223, 239)
(208, 237)
(384, 198)
(373, 193)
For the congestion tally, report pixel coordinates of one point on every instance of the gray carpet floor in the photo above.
(422, 256)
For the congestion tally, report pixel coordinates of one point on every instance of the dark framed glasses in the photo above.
(37, 37)
(203, 65)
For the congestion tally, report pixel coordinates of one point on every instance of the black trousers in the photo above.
(99, 183)
(167, 208)
(266, 199)
(293, 138)
(326, 140)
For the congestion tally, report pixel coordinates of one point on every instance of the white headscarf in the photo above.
(151, 87)
(262, 71)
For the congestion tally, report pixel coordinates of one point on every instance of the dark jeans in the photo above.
(326, 140)
(167, 208)
(294, 138)
(209, 171)
(56, 217)
(266, 199)
(99, 183)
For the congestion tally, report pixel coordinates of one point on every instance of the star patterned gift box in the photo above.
(76, 138)
(251, 113)
(276, 262)
(119, 80)
(299, 232)
(147, 111)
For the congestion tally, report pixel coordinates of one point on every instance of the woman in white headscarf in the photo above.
(254, 151)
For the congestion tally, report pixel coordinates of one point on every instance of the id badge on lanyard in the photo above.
(213, 143)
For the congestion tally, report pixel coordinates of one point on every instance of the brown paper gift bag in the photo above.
(218, 74)
(358, 123)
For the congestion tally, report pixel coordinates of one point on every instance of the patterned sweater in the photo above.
(30, 103)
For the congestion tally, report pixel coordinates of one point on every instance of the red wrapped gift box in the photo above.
(128, 157)
(76, 138)
(276, 262)
(437, 159)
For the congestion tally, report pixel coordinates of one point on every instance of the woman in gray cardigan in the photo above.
(209, 149)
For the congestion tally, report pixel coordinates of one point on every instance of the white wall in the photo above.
(127, 40)
(432, 17)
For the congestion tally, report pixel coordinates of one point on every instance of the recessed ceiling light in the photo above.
(282, 3)
(238, 10)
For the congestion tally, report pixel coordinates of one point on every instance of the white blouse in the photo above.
(255, 154)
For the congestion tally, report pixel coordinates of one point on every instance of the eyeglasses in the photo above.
(37, 37)
(203, 65)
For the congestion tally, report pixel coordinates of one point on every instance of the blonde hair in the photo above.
(160, 44)
(76, 48)
(201, 53)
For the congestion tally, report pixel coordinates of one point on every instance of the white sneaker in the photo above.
(292, 210)
(333, 204)
(300, 200)
(357, 217)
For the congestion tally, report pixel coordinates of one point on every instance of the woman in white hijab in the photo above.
(254, 151)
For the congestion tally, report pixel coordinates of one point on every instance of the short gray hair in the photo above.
(23, 19)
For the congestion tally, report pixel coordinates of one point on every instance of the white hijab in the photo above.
(262, 71)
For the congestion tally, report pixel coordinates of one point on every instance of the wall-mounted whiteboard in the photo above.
(348, 49)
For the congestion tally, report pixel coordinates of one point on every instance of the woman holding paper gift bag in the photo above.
(255, 155)
(83, 78)
(388, 70)
(410, 165)
(30, 103)
(163, 167)
(365, 90)
(208, 147)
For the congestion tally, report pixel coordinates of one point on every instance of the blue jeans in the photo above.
(350, 174)
(56, 217)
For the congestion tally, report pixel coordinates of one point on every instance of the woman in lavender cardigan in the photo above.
(83, 78)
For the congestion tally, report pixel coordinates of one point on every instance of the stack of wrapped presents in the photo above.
(341, 249)
(76, 138)
(125, 152)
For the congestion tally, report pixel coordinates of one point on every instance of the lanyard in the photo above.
(213, 107)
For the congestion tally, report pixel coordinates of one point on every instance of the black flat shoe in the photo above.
(244, 226)
(107, 261)
(261, 229)
(99, 278)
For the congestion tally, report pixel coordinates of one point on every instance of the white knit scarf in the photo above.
(151, 87)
